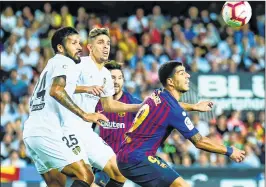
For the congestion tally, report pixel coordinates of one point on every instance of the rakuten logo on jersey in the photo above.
(113, 125)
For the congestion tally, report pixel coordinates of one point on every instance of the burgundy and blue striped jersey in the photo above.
(119, 123)
(159, 115)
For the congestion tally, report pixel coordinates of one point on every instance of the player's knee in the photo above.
(87, 176)
(83, 173)
(112, 170)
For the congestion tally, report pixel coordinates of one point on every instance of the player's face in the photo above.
(72, 48)
(181, 79)
(100, 48)
(118, 79)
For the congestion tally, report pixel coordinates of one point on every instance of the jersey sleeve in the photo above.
(108, 86)
(60, 67)
(180, 121)
(63, 67)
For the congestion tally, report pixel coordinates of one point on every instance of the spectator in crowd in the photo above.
(67, 18)
(8, 19)
(27, 16)
(251, 158)
(29, 57)
(29, 40)
(9, 143)
(203, 160)
(159, 20)
(12, 42)
(221, 126)
(8, 59)
(138, 57)
(188, 30)
(202, 126)
(15, 86)
(20, 29)
(14, 160)
(138, 23)
(157, 55)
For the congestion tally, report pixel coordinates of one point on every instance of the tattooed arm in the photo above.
(207, 144)
(59, 93)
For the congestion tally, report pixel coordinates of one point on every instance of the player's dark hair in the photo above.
(113, 65)
(96, 32)
(60, 36)
(166, 70)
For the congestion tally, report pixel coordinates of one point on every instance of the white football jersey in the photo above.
(90, 76)
(45, 112)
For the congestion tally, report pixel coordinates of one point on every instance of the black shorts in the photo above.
(149, 172)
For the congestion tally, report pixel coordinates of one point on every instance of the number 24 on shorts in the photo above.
(72, 141)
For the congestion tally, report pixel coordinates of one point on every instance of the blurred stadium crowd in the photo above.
(140, 42)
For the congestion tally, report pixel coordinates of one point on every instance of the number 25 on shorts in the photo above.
(72, 141)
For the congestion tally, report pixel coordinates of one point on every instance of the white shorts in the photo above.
(53, 152)
(97, 150)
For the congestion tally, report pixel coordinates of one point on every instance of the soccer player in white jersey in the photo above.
(94, 84)
(96, 79)
(51, 150)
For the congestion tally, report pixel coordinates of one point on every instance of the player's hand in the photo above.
(95, 118)
(204, 106)
(95, 90)
(237, 155)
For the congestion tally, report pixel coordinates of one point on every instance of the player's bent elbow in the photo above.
(54, 92)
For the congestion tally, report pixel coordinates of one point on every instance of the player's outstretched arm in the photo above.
(95, 90)
(59, 93)
(207, 144)
(111, 105)
(202, 106)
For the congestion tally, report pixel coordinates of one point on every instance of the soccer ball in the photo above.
(236, 14)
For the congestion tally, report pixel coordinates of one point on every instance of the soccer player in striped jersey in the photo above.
(113, 131)
(160, 114)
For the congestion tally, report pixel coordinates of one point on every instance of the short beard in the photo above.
(119, 91)
(77, 61)
(182, 91)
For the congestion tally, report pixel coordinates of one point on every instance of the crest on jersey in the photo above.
(121, 114)
(76, 150)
